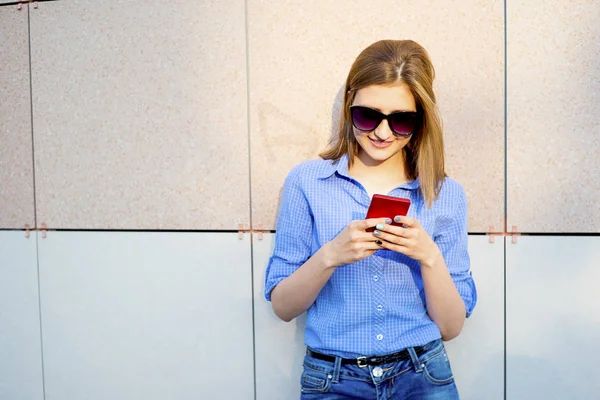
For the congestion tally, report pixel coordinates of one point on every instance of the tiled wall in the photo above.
(300, 54)
(140, 115)
(16, 169)
(553, 140)
(154, 115)
(149, 115)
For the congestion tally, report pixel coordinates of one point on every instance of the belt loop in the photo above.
(415, 359)
(336, 369)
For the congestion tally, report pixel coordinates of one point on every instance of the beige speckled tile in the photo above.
(140, 114)
(553, 116)
(300, 54)
(16, 162)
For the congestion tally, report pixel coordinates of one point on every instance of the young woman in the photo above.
(379, 303)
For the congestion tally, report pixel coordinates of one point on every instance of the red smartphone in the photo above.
(387, 207)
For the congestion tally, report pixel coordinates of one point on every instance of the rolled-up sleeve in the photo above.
(452, 239)
(293, 236)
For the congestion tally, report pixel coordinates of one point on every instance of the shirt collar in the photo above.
(341, 167)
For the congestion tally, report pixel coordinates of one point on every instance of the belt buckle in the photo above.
(362, 361)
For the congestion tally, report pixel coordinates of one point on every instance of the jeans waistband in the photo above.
(365, 361)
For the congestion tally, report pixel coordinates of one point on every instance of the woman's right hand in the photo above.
(353, 243)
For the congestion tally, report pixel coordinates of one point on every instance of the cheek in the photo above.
(358, 135)
(399, 145)
(402, 142)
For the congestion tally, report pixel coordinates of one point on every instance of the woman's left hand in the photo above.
(410, 239)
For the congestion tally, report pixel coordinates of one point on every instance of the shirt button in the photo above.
(375, 278)
(377, 372)
(379, 307)
(380, 337)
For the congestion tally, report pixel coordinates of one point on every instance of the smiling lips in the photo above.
(380, 144)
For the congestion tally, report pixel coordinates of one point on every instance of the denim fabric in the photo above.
(427, 377)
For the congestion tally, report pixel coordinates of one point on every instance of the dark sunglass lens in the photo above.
(403, 123)
(365, 119)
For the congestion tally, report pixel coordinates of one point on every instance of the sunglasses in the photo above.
(402, 123)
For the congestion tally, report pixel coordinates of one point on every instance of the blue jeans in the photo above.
(428, 377)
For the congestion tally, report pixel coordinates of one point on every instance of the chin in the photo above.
(381, 155)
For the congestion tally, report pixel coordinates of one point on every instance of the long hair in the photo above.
(390, 62)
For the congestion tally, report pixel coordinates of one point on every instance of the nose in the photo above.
(383, 131)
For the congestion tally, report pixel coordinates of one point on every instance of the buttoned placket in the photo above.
(378, 298)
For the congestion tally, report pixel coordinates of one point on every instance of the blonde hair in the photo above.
(391, 62)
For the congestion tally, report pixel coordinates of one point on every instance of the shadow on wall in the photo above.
(552, 370)
(298, 130)
(336, 114)
(293, 137)
(336, 111)
(291, 364)
(281, 350)
(479, 379)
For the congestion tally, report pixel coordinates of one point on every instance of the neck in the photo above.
(392, 169)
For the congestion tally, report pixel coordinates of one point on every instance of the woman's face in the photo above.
(381, 144)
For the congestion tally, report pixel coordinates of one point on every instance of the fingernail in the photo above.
(388, 220)
(379, 242)
(377, 233)
(397, 218)
(379, 226)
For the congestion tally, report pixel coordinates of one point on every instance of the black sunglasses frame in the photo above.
(383, 116)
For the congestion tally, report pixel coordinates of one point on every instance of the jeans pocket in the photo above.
(437, 368)
(314, 381)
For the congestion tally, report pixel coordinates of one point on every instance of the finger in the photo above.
(391, 238)
(394, 247)
(373, 242)
(371, 247)
(376, 245)
(395, 230)
(361, 235)
(372, 222)
(407, 221)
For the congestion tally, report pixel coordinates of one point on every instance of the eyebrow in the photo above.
(375, 108)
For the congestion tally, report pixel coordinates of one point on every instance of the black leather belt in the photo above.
(365, 361)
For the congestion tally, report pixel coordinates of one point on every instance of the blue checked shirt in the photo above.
(375, 306)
